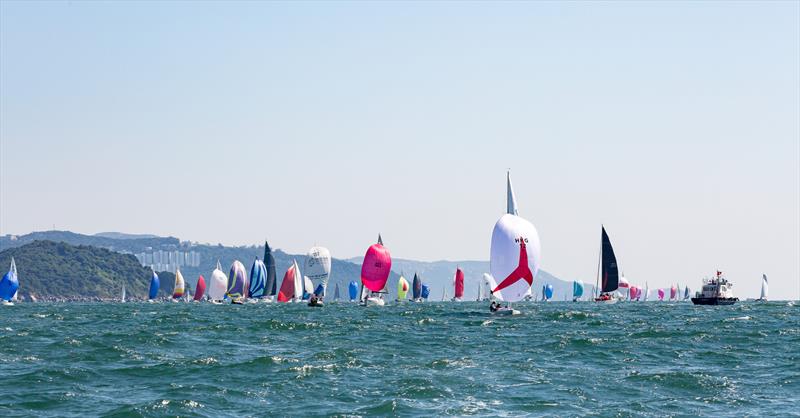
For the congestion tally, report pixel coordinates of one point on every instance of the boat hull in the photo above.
(506, 311)
(8, 303)
(374, 302)
(606, 301)
(714, 301)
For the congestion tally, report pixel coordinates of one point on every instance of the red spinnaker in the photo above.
(200, 289)
(287, 286)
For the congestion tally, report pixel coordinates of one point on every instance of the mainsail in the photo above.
(299, 284)
(686, 293)
(646, 291)
(154, 285)
(376, 267)
(271, 284)
(258, 279)
(514, 254)
(577, 290)
(237, 281)
(764, 287)
(416, 292)
(318, 267)
(336, 292)
(402, 288)
(122, 299)
(200, 288)
(180, 285)
(489, 284)
(459, 284)
(219, 284)
(9, 283)
(608, 271)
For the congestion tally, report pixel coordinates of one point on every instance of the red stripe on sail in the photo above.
(522, 272)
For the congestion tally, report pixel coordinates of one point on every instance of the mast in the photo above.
(599, 260)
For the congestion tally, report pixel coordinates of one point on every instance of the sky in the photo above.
(676, 125)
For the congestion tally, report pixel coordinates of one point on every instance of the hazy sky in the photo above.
(675, 124)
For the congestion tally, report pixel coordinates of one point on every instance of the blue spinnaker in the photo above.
(577, 289)
(548, 291)
(426, 291)
(258, 278)
(154, 285)
(9, 284)
(353, 290)
(319, 290)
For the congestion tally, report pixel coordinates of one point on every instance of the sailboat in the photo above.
(336, 293)
(444, 293)
(646, 291)
(607, 270)
(237, 283)
(687, 294)
(402, 288)
(218, 286)
(514, 254)
(416, 288)
(258, 281)
(577, 290)
(426, 291)
(299, 283)
(764, 288)
(548, 292)
(9, 284)
(154, 285)
(375, 272)
(673, 293)
(352, 290)
(271, 284)
(287, 291)
(661, 294)
(488, 284)
(458, 284)
(122, 299)
(200, 289)
(318, 270)
(180, 286)
(480, 292)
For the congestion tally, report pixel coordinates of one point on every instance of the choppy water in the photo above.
(558, 359)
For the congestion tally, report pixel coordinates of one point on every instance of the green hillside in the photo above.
(56, 270)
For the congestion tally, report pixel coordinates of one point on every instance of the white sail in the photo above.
(218, 285)
(489, 284)
(646, 290)
(298, 283)
(764, 287)
(308, 285)
(318, 266)
(122, 299)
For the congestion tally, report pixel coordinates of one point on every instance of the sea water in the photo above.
(413, 359)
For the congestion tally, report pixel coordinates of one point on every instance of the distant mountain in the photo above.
(121, 235)
(132, 245)
(438, 274)
(55, 270)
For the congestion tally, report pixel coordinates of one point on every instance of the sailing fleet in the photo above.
(513, 263)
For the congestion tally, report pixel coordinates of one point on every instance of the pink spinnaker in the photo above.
(660, 294)
(376, 267)
(673, 292)
(459, 284)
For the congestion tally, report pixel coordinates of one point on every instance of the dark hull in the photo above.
(714, 301)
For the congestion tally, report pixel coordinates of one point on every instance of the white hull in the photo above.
(372, 301)
(216, 302)
(608, 301)
(8, 303)
(506, 311)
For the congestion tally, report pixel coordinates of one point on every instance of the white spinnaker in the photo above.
(509, 233)
(298, 283)
(764, 287)
(218, 284)
(488, 284)
(308, 285)
(180, 284)
(318, 266)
